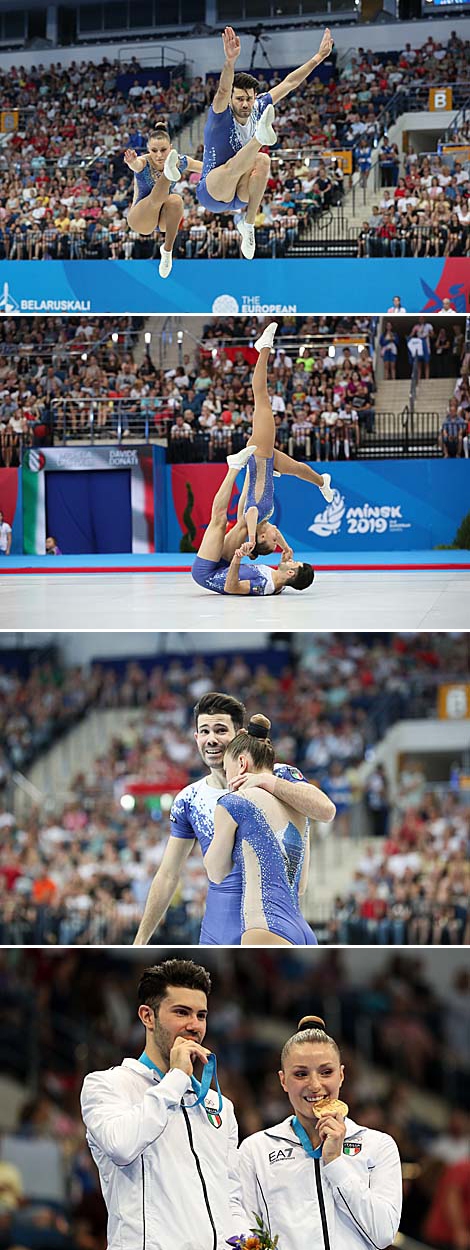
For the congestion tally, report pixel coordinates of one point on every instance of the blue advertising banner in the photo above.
(387, 505)
(226, 288)
(379, 506)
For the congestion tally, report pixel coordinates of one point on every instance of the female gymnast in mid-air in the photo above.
(156, 204)
(267, 839)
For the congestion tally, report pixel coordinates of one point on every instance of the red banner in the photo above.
(193, 487)
(9, 493)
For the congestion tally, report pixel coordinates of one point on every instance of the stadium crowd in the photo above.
(426, 214)
(71, 379)
(402, 1030)
(64, 189)
(79, 871)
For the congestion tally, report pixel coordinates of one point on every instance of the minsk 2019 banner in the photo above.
(227, 288)
(381, 506)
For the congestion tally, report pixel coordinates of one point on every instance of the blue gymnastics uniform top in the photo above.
(257, 467)
(224, 136)
(212, 575)
(270, 864)
(146, 179)
(192, 816)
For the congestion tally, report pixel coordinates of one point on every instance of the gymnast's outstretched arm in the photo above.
(299, 75)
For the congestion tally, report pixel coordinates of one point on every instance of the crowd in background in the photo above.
(70, 376)
(63, 182)
(427, 213)
(65, 191)
(402, 1028)
(80, 870)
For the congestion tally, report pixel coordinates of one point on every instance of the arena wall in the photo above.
(379, 506)
(287, 46)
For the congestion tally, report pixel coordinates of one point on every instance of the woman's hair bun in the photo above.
(311, 1022)
(259, 727)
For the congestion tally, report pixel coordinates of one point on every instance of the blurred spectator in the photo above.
(453, 432)
(5, 536)
(52, 548)
(378, 801)
(448, 1222)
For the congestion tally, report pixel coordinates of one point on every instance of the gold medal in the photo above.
(330, 1106)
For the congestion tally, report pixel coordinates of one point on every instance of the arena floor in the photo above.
(363, 600)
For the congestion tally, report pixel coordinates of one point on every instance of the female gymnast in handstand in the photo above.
(267, 839)
(156, 204)
(266, 462)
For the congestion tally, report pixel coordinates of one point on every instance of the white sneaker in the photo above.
(276, 473)
(248, 238)
(166, 262)
(264, 130)
(266, 339)
(240, 458)
(171, 168)
(326, 490)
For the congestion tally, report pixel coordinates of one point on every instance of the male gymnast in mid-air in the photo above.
(239, 124)
(217, 564)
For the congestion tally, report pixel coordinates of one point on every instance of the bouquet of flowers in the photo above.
(259, 1239)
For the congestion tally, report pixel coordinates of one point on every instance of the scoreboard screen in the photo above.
(458, 5)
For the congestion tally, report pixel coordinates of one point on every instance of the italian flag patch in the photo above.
(352, 1147)
(214, 1118)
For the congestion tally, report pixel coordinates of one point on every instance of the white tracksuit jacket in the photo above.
(169, 1175)
(353, 1203)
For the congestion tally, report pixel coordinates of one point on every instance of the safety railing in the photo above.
(108, 924)
(162, 54)
(439, 924)
(104, 418)
(320, 237)
(407, 435)
(369, 435)
(24, 923)
(373, 435)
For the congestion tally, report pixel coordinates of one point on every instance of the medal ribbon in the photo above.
(313, 1152)
(201, 1088)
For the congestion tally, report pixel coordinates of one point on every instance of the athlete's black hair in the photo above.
(246, 82)
(155, 981)
(214, 701)
(303, 578)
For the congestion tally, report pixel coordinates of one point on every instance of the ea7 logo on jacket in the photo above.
(276, 1155)
(213, 1117)
(352, 1147)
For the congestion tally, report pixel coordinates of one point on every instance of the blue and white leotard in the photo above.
(146, 179)
(257, 467)
(192, 816)
(271, 867)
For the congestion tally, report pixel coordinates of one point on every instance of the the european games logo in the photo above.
(7, 303)
(368, 518)
(225, 306)
(34, 461)
(329, 521)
